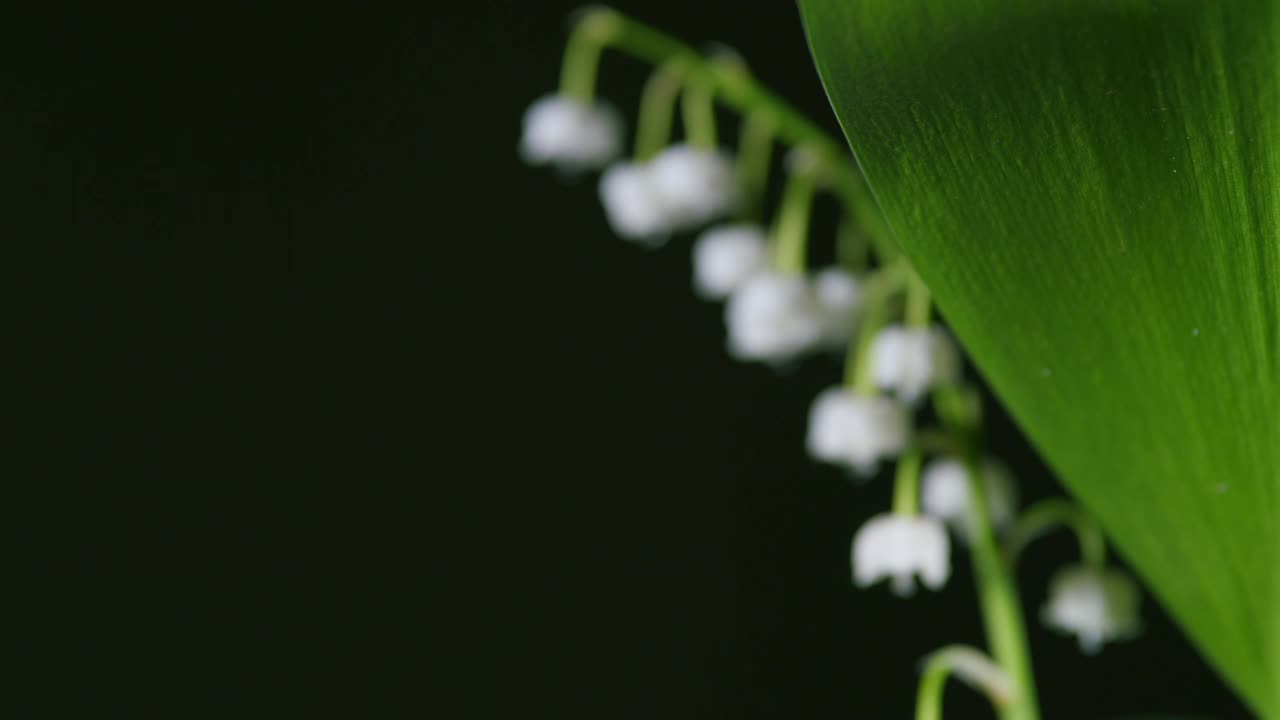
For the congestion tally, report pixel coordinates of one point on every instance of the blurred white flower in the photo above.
(772, 317)
(910, 361)
(678, 190)
(840, 298)
(633, 205)
(1098, 606)
(726, 257)
(570, 134)
(944, 493)
(902, 547)
(857, 431)
(698, 185)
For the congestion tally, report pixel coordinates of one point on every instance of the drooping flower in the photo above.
(697, 185)
(634, 207)
(902, 548)
(944, 493)
(570, 134)
(840, 298)
(726, 257)
(773, 317)
(1096, 605)
(857, 431)
(910, 361)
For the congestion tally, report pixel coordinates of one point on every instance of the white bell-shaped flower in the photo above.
(698, 185)
(1096, 605)
(944, 493)
(634, 207)
(570, 134)
(857, 431)
(840, 298)
(726, 257)
(910, 361)
(773, 317)
(902, 548)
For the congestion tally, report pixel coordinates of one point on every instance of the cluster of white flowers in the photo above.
(775, 316)
(680, 189)
(945, 501)
(861, 430)
(772, 316)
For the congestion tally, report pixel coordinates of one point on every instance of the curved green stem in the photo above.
(958, 406)
(998, 597)
(880, 289)
(856, 377)
(791, 230)
(581, 63)
(967, 664)
(755, 153)
(1058, 512)
(929, 695)
(918, 302)
(699, 107)
(851, 245)
(997, 593)
(906, 483)
(657, 106)
(741, 92)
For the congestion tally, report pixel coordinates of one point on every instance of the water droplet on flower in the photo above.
(1195, 332)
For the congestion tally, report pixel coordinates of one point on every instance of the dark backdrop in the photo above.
(318, 403)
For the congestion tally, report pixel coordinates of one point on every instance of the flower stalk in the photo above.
(581, 64)
(918, 301)
(998, 596)
(791, 230)
(966, 664)
(1053, 513)
(880, 292)
(906, 483)
(699, 111)
(851, 245)
(657, 107)
(755, 152)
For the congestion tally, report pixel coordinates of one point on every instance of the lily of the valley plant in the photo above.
(905, 408)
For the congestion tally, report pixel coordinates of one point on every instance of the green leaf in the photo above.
(1091, 188)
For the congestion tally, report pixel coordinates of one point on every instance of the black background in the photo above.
(320, 404)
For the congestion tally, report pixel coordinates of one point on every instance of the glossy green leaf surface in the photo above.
(1091, 188)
